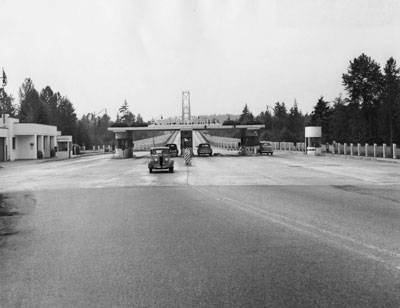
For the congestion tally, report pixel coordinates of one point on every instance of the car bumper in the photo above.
(158, 166)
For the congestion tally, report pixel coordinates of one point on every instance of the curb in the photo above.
(375, 159)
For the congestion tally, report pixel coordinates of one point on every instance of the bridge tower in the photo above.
(186, 116)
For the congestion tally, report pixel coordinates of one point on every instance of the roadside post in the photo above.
(188, 157)
(188, 162)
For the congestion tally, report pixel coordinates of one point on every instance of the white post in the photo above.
(358, 149)
(345, 148)
(366, 150)
(374, 149)
(384, 150)
(394, 151)
(338, 148)
(351, 149)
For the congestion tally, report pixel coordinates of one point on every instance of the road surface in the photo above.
(284, 231)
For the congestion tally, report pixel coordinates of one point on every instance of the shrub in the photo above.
(39, 154)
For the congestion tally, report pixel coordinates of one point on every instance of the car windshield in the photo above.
(172, 146)
(159, 151)
(204, 145)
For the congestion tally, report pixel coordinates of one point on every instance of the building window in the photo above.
(62, 146)
(13, 143)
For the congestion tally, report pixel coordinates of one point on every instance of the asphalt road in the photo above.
(282, 231)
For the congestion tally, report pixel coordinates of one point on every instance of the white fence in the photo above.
(366, 150)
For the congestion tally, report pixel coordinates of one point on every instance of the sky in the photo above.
(226, 53)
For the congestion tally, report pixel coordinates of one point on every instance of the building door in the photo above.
(2, 149)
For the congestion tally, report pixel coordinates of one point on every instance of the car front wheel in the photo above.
(171, 169)
(150, 170)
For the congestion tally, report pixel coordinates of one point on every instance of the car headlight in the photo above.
(155, 159)
(166, 159)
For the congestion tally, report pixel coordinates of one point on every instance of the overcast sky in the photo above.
(226, 53)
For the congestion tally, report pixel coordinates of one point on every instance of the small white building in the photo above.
(31, 140)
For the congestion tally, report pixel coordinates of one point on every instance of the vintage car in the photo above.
(173, 149)
(265, 147)
(204, 148)
(160, 158)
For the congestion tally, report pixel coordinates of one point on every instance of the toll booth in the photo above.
(187, 140)
(313, 136)
(249, 137)
(124, 144)
(249, 141)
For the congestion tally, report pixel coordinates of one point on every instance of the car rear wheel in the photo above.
(150, 170)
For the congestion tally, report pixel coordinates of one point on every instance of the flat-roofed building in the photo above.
(30, 140)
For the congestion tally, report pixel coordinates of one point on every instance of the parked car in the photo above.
(173, 149)
(204, 148)
(160, 158)
(265, 147)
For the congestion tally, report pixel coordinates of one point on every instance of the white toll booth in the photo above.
(64, 146)
(313, 136)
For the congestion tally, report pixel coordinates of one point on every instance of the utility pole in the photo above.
(2, 92)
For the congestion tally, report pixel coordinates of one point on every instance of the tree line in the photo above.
(52, 108)
(369, 114)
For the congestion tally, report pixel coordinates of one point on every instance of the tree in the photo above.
(82, 133)
(66, 116)
(7, 103)
(246, 117)
(31, 109)
(295, 124)
(390, 114)
(50, 100)
(279, 122)
(364, 83)
(339, 120)
(321, 116)
(139, 119)
(126, 115)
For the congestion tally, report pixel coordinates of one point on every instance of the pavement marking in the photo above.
(300, 226)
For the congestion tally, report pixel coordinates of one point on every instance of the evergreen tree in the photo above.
(246, 117)
(280, 121)
(50, 100)
(364, 83)
(31, 109)
(126, 115)
(7, 103)
(321, 116)
(295, 124)
(67, 117)
(339, 120)
(390, 113)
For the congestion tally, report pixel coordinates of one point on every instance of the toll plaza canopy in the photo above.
(179, 127)
(125, 135)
